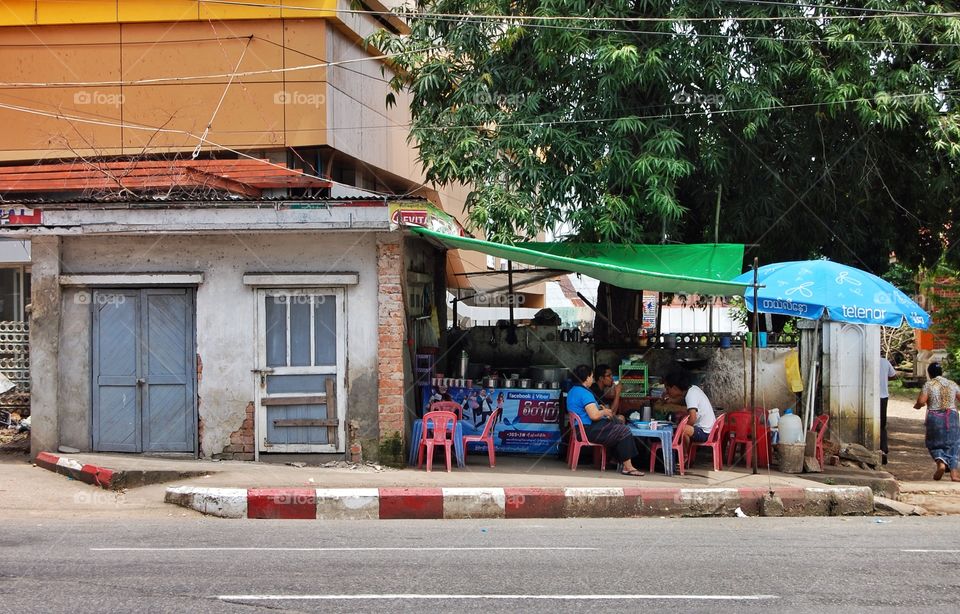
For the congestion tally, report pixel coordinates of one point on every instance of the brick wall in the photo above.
(392, 335)
(241, 440)
(940, 294)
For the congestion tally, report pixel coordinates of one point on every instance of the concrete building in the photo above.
(180, 307)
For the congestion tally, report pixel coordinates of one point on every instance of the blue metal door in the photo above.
(144, 370)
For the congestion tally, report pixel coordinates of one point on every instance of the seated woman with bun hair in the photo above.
(598, 421)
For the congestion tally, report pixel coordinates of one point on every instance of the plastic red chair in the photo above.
(820, 428)
(437, 432)
(739, 430)
(714, 442)
(578, 441)
(677, 446)
(485, 437)
(451, 406)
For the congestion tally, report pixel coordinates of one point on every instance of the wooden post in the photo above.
(753, 361)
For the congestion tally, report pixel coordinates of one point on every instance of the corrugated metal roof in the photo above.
(116, 201)
(103, 180)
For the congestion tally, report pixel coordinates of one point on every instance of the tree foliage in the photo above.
(819, 130)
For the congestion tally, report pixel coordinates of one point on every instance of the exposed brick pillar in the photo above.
(241, 440)
(392, 334)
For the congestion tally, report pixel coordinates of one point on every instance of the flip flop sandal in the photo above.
(941, 467)
(635, 473)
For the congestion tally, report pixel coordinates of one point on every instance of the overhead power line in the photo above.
(698, 35)
(865, 12)
(558, 122)
(226, 75)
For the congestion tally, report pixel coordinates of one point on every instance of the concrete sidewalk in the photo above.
(516, 487)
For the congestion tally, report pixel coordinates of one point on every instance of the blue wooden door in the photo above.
(144, 370)
(301, 366)
(115, 367)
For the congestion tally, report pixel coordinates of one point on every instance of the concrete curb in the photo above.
(91, 474)
(464, 503)
(109, 479)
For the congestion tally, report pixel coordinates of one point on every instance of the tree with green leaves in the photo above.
(799, 128)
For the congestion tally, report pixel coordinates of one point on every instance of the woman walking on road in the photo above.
(940, 395)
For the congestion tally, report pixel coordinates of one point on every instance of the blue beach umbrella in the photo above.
(815, 289)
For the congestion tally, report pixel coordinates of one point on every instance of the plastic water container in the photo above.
(790, 428)
(773, 419)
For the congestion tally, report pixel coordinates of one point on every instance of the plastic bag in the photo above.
(792, 364)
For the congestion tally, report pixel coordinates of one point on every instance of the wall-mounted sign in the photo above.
(424, 215)
(20, 216)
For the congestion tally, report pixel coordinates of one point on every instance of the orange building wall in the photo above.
(131, 86)
(126, 77)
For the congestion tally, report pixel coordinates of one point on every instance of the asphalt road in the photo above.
(722, 564)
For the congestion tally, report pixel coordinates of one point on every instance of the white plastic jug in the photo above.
(790, 428)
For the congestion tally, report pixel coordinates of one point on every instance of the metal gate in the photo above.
(144, 370)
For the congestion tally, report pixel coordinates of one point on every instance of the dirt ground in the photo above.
(911, 464)
(908, 459)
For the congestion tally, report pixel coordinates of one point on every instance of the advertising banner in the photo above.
(529, 423)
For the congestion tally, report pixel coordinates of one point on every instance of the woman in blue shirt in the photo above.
(598, 421)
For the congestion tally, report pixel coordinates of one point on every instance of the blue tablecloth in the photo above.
(664, 433)
(417, 434)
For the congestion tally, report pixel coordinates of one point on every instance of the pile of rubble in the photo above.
(851, 455)
(14, 433)
(365, 466)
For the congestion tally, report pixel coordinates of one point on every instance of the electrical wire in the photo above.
(216, 111)
(732, 36)
(286, 47)
(113, 42)
(440, 16)
(891, 12)
(229, 75)
(204, 140)
(706, 113)
(159, 130)
(873, 13)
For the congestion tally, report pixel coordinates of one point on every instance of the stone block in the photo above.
(598, 503)
(772, 506)
(222, 502)
(474, 503)
(348, 504)
(852, 501)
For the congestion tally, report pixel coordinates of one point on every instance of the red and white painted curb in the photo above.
(91, 474)
(462, 503)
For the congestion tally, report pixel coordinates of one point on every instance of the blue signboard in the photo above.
(529, 423)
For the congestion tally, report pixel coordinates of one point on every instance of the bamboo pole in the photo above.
(753, 362)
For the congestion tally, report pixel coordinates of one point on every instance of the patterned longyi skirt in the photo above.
(943, 435)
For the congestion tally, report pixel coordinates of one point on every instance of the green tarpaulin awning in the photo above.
(692, 269)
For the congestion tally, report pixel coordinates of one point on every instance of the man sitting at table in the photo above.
(679, 389)
(598, 422)
(605, 389)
